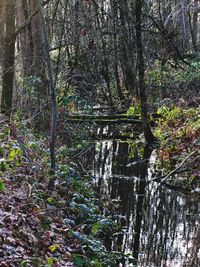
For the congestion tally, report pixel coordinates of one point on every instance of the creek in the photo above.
(160, 227)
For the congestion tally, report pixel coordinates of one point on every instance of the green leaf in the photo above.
(12, 155)
(96, 227)
(33, 145)
(96, 263)
(50, 261)
(14, 152)
(69, 221)
(2, 185)
(197, 141)
(3, 165)
(79, 236)
(85, 209)
(51, 201)
(79, 260)
(24, 263)
(54, 247)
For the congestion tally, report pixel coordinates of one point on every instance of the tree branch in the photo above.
(175, 171)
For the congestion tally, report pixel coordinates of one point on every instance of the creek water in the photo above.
(160, 226)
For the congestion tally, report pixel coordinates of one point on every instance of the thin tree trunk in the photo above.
(53, 98)
(116, 60)
(149, 137)
(1, 30)
(1, 42)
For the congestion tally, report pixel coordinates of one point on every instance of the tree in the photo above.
(25, 37)
(1, 30)
(141, 71)
(52, 96)
(8, 57)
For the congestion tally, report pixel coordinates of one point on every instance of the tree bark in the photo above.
(126, 50)
(1, 42)
(1, 30)
(193, 24)
(25, 37)
(8, 58)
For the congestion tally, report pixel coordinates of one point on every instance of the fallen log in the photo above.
(102, 117)
(104, 121)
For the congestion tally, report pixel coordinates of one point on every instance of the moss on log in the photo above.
(104, 119)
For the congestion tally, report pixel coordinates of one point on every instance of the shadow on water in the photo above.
(160, 227)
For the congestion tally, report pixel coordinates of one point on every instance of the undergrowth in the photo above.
(178, 131)
(66, 227)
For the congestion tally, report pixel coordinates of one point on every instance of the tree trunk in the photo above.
(52, 95)
(8, 58)
(193, 24)
(1, 42)
(116, 59)
(149, 137)
(126, 51)
(25, 37)
(1, 30)
(36, 25)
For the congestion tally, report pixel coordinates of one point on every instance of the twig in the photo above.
(176, 188)
(159, 178)
(176, 169)
(29, 18)
(83, 151)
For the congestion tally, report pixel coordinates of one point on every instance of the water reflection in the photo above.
(160, 227)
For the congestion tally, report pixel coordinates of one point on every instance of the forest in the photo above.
(99, 133)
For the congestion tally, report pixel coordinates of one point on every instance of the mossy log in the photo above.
(105, 119)
(109, 119)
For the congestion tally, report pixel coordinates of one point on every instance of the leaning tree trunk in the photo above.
(149, 137)
(8, 58)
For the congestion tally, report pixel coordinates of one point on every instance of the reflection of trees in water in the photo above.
(127, 188)
(160, 226)
(167, 228)
(193, 253)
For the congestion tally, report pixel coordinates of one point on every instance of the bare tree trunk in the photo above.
(1, 42)
(25, 37)
(149, 137)
(8, 58)
(126, 50)
(30, 44)
(193, 24)
(1, 29)
(116, 60)
(36, 25)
